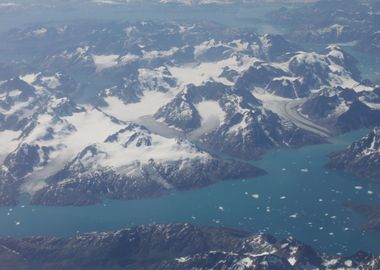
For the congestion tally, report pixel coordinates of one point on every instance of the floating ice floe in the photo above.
(283, 169)
(370, 192)
(283, 197)
(221, 208)
(305, 170)
(255, 196)
(358, 187)
(294, 215)
(17, 223)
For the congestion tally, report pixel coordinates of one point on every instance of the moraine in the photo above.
(298, 197)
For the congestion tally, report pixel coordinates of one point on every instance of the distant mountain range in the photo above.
(335, 21)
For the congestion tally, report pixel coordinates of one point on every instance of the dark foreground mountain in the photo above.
(171, 247)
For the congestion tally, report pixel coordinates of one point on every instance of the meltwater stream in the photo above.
(298, 197)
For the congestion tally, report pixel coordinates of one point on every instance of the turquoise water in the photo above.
(282, 203)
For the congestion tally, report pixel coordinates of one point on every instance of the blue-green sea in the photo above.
(298, 197)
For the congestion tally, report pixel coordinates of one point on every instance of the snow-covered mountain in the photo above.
(361, 158)
(343, 109)
(134, 163)
(149, 92)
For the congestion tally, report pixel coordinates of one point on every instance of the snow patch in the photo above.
(103, 62)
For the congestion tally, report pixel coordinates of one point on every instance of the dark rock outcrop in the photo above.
(176, 246)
